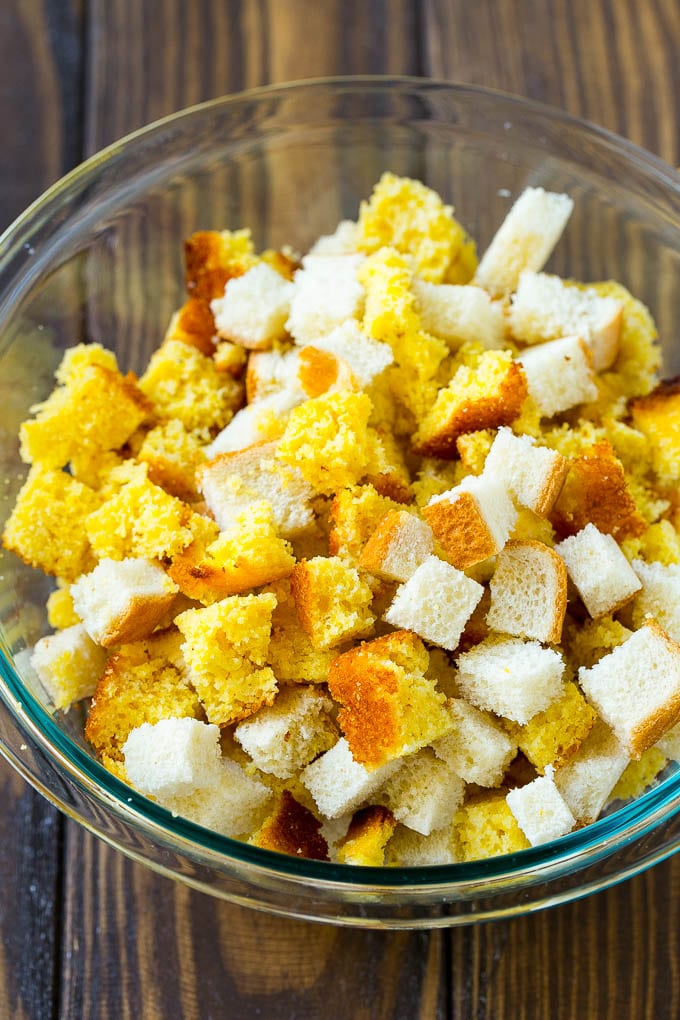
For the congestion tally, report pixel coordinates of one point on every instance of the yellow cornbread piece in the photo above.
(173, 454)
(46, 528)
(82, 356)
(60, 611)
(184, 384)
(193, 324)
(225, 647)
(367, 836)
(333, 602)
(354, 516)
(487, 828)
(553, 736)
(140, 520)
(291, 654)
(410, 217)
(658, 417)
(586, 643)
(251, 553)
(638, 775)
(213, 257)
(327, 439)
(660, 543)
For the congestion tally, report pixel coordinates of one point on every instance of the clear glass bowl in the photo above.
(98, 257)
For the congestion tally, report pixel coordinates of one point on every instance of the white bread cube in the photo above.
(173, 757)
(272, 371)
(284, 737)
(460, 314)
(398, 546)
(254, 308)
(68, 665)
(473, 520)
(436, 603)
(339, 784)
(425, 793)
(253, 423)
(636, 688)
(588, 778)
(325, 294)
(545, 308)
(513, 678)
(540, 810)
(533, 474)
(528, 592)
(343, 241)
(366, 357)
(659, 597)
(670, 743)
(122, 600)
(231, 482)
(601, 573)
(478, 749)
(559, 375)
(409, 849)
(232, 806)
(524, 240)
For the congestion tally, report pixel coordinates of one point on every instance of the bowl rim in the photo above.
(577, 849)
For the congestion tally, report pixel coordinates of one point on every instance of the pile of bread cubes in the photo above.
(378, 560)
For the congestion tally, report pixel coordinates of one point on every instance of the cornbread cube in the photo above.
(389, 707)
(407, 215)
(332, 601)
(254, 308)
(425, 793)
(477, 748)
(233, 805)
(60, 611)
(291, 828)
(559, 374)
(524, 240)
(212, 257)
(291, 654)
(230, 483)
(658, 417)
(193, 324)
(436, 602)
(473, 520)
(408, 849)
(79, 358)
(366, 357)
(659, 597)
(69, 664)
(553, 736)
(588, 778)
(486, 397)
(46, 528)
(339, 784)
(141, 520)
(638, 775)
(585, 642)
(387, 470)
(540, 810)
(546, 308)
(528, 592)
(249, 552)
(326, 293)
(510, 677)
(355, 514)
(636, 688)
(184, 384)
(460, 314)
(172, 454)
(534, 475)
(97, 410)
(230, 358)
(225, 647)
(173, 757)
(367, 836)
(122, 601)
(601, 573)
(284, 737)
(486, 827)
(327, 439)
(398, 546)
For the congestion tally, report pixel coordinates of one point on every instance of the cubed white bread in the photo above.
(271, 371)
(540, 810)
(586, 781)
(528, 592)
(122, 600)
(233, 806)
(398, 546)
(659, 597)
(636, 688)
(533, 474)
(231, 482)
(69, 664)
(284, 737)
(545, 308)
(334, 831)
(460, 314)
(559, 375)
(478, 749)
(366, 357)
(524, 240)
(408, 849)
(473, 520)
(254, 308)
(436, 602)
(253, 423)
(339, 784)
(325, 294)
(173, 757)
(513, 678)
(601, 573)
(425, 793)
(343, 241)
(670, 743)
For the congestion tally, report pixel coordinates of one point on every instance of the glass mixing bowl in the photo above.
(98, 257)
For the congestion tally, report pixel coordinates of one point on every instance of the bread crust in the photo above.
(461, 530)
(139, 619)
(193, 324)
(292, 829)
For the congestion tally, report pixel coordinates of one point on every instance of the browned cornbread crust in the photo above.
(209, 265)
(193, 324)
(461, 530)
(292, 829)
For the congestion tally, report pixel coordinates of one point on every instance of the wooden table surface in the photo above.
(86, 933)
